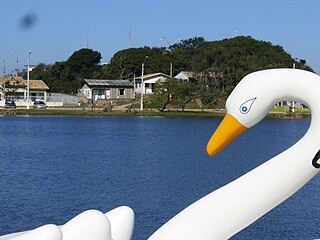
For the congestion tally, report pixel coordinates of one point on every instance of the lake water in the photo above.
(53, 168)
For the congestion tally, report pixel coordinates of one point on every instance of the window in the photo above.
(100, 92)
(121, 92)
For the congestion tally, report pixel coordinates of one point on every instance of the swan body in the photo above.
(228, 210)
(116, 224)
(48, 232)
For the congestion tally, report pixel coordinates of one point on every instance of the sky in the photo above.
(53, 29)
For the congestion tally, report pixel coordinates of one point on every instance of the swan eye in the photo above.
(246, 106)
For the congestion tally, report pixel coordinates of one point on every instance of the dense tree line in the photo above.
(216, 65)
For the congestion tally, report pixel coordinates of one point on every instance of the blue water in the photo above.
(53, 168)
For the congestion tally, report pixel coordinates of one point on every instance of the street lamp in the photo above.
(142, 82)
(294, 66)
(28, 78)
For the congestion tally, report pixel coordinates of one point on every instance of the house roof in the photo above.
(15, 81)
(154, 75)
(37, 84)
(20, 82)
(106, 83)
(188, 74)
(185, 75)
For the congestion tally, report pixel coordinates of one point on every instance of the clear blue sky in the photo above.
(57, 28)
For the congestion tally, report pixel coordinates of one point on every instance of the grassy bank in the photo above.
(78, 112)
(276, 113)
(283, 112)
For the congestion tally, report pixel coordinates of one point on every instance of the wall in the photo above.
(54, 104)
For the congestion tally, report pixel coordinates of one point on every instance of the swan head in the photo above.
(247, 105)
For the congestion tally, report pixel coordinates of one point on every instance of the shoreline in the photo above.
(188, 113)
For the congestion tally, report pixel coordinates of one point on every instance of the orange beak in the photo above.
(228, 130)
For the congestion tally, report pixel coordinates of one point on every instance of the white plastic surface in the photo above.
(122, 223)
(90, 224)
(226, 211)
(46, 232)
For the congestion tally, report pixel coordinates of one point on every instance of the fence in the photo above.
(66, 100)
(61, 99)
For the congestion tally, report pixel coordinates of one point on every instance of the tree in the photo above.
(213, 98)
(60, 78)
(40, 71)
(84, 59)
(125, 63)
(175, 89)
(186, 92)
(189, 44)
(222, 64)
(67, 76)
(165, 91)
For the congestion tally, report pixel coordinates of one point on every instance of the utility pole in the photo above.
(17, 66)
(134, 85)
(293, 103)
(170, 69)
(142, 83)
(28, 78)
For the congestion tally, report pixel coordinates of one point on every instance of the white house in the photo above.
(149, 80)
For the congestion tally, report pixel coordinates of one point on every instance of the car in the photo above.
(10, 105)
(39, 105)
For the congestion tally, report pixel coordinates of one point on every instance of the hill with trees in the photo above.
(216, 65)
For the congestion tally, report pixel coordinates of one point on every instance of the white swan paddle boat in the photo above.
(228, 210)
(118, 224)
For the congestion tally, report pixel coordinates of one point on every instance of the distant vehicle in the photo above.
(10, 105)
(39, 105)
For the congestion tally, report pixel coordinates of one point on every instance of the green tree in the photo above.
(67, 76)
(84, 61)
(213, 98)
(40, 71)
(189, 44)
(60, 78)
(222, 64)
(186, 92)
(182, 52)
(165, 91)
(125, 63)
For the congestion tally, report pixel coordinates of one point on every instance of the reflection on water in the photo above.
(53, 168)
